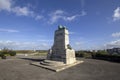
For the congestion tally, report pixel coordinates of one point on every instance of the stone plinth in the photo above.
(61, 55)
(55, 65)
(61, 49)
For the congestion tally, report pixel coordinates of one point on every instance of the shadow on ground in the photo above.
(31, 59)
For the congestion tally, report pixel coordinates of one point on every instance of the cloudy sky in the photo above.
(30, 24)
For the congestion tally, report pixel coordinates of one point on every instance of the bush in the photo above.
(12, 53)
(103, 55)
(85, 54)
(3, 56)
(6, 52)
(79, 53)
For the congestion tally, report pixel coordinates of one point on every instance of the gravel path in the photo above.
(19, 69)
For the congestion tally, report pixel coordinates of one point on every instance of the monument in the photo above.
(61, 49)
(61, 55)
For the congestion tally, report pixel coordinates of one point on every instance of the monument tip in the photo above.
(61, 27)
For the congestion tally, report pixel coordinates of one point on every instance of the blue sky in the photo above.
(30, 24)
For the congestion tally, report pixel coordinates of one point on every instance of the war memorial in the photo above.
(61, 56)
(59, 64)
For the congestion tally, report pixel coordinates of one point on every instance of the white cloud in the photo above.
(8, 6)
(60, 14)
(116, 42)
(83, 13)
(117, 34)
(70, 18)
(23, 45)
(112, 44)
(38, 17)
(5, 5)
(45, 40)
(116, 15)
(8, 30)
(22, 11)
(108, 45)
(55, 16)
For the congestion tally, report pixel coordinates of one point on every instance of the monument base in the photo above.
(54, 65)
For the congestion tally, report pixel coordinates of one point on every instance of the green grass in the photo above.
(41, 54)
(35, 53)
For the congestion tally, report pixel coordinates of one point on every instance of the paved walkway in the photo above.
(19, 69)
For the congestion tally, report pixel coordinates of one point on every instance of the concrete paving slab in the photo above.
(54, 67)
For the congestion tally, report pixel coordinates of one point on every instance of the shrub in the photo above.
(6, 52)
(85, 54)
(79, 53)
(3, 56)
(12, 53)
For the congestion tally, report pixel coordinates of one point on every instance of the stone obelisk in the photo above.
(61, 49)
(61, 56)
